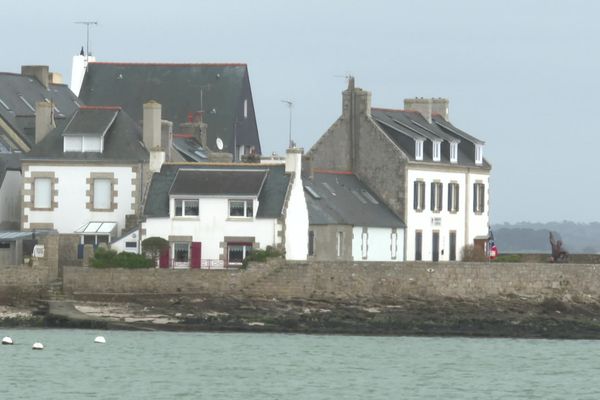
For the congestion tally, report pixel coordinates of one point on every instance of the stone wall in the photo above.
(21, 284)
(377, 282)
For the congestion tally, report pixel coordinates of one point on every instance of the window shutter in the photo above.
(450, 196)
(196, 254)
(440, 195)
(474, 197)
(456, 193)
(432, 196)
(482, 197)
(416, 195)
(163, 261)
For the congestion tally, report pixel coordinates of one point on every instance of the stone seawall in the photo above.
(21, 284)
(376, 282)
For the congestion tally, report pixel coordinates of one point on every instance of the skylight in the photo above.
(369, 197)
(329, 188)
(312, 192)
(28, 104)
(4, 105)
(358, 196)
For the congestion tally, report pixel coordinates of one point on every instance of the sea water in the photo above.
(166, 365)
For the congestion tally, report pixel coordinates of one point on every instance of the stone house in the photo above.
(432, 175)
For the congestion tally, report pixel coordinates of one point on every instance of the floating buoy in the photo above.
(37, 346)
(7, 340)
(99, 339)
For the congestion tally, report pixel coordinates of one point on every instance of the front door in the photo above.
(453, 246)
(435, 246)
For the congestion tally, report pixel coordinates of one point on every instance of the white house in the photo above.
(87, 176)
(213, 216)
(10, 190)
(432, 175)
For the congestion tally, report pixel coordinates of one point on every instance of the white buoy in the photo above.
(7, 340)
(37, 346)
(99, 339)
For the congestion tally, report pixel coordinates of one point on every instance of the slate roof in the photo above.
(271, 198)
(181, 89)
(122, 141)
(214, 182)
(189, 148)
(342, 199)
(9, 162)
(18, 95)
(404, 127)
(91, 121)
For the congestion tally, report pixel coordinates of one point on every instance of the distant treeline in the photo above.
(528, 237)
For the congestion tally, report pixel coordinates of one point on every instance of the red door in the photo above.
(196, 254)
(163, 260)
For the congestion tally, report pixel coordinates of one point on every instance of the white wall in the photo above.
(10, 199)
(120, 244)
(379, 242)
(467, 224)
(212, 225)
(71, 212)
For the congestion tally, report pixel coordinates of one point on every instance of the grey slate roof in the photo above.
(18, 92)
(189, 148)
(210, 182)
(271, 197)
(91, 121)
(181, 89)
(342, 199)
(404, 127)
(9, 162)
(122, 142)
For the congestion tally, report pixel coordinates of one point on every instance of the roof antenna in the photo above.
(87, 47)
(290, 105)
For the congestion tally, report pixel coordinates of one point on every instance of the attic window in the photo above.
(453, 152)
(369, 197)
(478, 154)
(28, 104)
(312, 192)
(436, 150)
(358, 196)
(246, 108)
(328, 187)
(418, 149)
(4, 105)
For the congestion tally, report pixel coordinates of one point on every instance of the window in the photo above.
(364, 247)
(478, 197)
(339, 243)
(478, 154)
(4, 105)
(42, 193)
(102, 194)
(237, 252)
(246, 108)
(186, 208)
(181, 254)
(454, 153)
(131, 245)
(419, 196)
(436, 196)
(241, 208)
(418, 149)
(311, 243)
(418, 246)
(95, 239)
(92, 144)
(453, 197)
(437, 151)
(4, 245)
(73, 144)
(394, 245)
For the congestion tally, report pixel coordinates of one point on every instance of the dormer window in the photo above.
(478, 154)
(437, 146)
(453, 153)
(82, 144)
(418, 150)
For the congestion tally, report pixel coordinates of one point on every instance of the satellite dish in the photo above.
(219, 143)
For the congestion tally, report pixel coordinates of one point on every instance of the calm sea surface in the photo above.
(161, 365)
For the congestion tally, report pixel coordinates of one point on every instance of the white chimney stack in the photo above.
(152, 129)
(296, 216)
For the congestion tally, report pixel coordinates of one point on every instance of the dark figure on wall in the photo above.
(559, 254)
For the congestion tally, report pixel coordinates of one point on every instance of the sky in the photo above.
(522, 75)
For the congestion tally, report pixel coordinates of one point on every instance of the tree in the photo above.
(152, 247)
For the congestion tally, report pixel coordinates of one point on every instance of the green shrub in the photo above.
(261, 255)
(110, 259)
(153, 246)
(514, 258)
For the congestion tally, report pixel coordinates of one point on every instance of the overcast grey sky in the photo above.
(522, 75)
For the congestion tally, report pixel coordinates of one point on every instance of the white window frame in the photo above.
(394, 245)
(418, 149)
(419, 193)
(479, 197)
(339, 244)
(183, 207)
(46, 196)
(178, 246)
(364, 246)
(437, 196)
(437, 151)
(478, 154)
(453, 204)
(246, 249)
(246, 202)
(454, 153)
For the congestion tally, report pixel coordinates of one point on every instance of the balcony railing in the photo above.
(204, 264)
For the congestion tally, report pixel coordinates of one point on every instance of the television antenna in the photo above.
(87, 37)
(290, 106)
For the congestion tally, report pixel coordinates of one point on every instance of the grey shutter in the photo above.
(416, 195)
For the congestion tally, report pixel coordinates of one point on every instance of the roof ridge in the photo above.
(393, 109)
(332, 172)
(111, 108)
(162, 64)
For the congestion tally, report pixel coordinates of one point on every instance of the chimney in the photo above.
(55, 78)
(361, 99)
(423, 106)
(44, 120)
(39, 72)
(440, 106)
(296, 213)
(152, 125)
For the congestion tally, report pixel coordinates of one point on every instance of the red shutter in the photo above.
(163, 261)
(196, 254)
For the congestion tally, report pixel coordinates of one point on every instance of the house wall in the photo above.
(325, 242)
(378, 243)
(120, 245)
(72, 196)
(213, 225)
(10, 201)
(465, 222)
